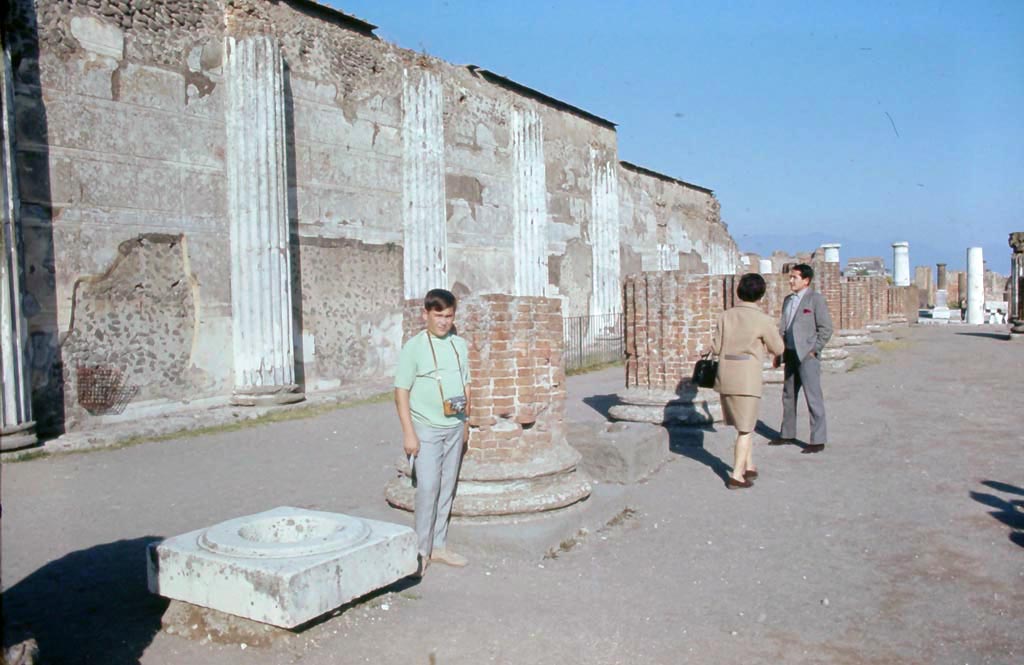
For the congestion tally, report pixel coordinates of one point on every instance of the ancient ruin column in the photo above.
(764, 266)
(529, 204)
(975, 286)
(1016, 312)
(941, 309)
(606, 294)
(17, 428)
(831, 252)
(261, 288)
(423, 197)
(519, 460)
(901, 263)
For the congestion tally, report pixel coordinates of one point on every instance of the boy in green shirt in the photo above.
(432, 398)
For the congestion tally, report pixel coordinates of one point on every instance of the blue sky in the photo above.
(855, 122)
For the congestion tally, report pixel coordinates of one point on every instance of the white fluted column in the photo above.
(606, 296)
(901, 264)
(764, 266)
(261, 294)
(425, 251)
(529, 204)
(832, 252)
(975, 286)
(17, 428)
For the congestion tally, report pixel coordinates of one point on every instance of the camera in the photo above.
(455, 405)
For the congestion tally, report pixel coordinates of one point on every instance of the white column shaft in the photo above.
(901, 264)
(529, 204)
(604, 237)
(16, 402)
(975, 286)
(425, 252)
(261, 297)
(764, 266)
(832, 252)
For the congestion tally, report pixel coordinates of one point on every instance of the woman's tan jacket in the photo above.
(741, 335)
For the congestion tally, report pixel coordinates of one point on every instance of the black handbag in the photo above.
(704, 371)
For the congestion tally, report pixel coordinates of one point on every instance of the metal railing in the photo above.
(592, 340)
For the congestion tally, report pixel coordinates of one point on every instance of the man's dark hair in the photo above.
(806, 271)
(751, 288)
(438, 300)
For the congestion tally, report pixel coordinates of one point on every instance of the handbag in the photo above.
(704, 371)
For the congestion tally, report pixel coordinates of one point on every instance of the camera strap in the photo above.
(436, 369)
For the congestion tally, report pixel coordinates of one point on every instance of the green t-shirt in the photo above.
(417, 374)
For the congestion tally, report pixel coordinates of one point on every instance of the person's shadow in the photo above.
(1009, 512)
(689, 442)
(89, 606)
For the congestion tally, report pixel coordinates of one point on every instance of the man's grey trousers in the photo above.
(806, 375)
(437, 471)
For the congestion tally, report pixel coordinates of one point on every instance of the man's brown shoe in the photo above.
(813, 448)
(447, 557)
(780, 442)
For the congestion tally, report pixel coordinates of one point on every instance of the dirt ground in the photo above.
(902, 543)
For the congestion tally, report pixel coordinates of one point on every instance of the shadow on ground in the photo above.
(602, 404)
(1008, 511)
(89, 606)
(689, 442)
(990, 335)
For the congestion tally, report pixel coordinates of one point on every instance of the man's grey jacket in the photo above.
(812, 324)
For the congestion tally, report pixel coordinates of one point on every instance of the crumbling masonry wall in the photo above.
(120, 122)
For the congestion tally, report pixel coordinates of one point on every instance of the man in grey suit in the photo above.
(806, 327)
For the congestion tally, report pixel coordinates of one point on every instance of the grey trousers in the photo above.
(804, 374)
(437, 470)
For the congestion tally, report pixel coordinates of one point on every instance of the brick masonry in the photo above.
(517, 401)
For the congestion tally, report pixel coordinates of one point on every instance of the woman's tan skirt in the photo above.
(741, 411)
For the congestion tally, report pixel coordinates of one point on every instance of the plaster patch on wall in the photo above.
(138, 317)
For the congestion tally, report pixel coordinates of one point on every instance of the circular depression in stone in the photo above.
(281, 536)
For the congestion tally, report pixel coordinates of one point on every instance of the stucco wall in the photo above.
(673, 225)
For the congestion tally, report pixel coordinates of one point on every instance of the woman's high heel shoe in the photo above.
(734, 484)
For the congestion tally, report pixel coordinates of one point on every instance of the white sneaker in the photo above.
(446, 556)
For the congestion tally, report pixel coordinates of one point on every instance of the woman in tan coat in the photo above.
(741, 335)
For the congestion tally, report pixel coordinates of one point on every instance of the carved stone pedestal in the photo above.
(690, 405)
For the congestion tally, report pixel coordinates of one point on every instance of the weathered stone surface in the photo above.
(690, 406)
(619, 452)
(99, 37)
(284, 566)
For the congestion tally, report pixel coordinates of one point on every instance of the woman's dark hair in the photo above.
(438, 300)
(751, 287)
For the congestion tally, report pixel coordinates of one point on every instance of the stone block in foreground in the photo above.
(284, 566)
(620, 452)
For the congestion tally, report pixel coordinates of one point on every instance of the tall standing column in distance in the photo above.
(831, 252)
(941, 309)
(1017, 285)
(901, 264)
(17, 429)
(764, 266)
(975, 286)
(261, 289)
